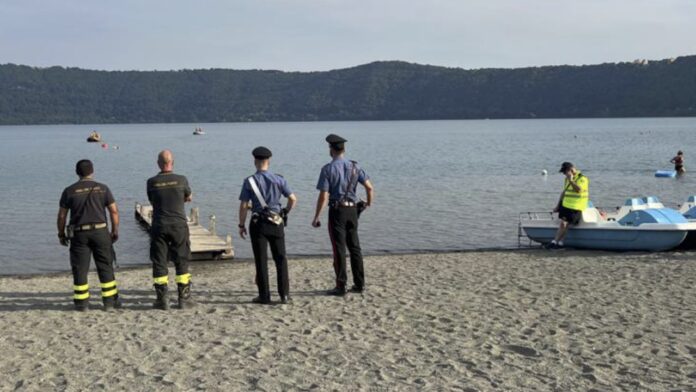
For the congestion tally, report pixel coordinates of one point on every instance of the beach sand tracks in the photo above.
(483, 321)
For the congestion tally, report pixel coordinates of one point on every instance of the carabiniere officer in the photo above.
(87, 200)
(264, 190)
(338, 182)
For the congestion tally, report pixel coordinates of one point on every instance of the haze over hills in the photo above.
(377, 91)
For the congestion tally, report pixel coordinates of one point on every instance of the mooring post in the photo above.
(211, 227)
(194, 215)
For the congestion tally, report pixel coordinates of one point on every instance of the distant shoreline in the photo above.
(382, 91)
(193, 124)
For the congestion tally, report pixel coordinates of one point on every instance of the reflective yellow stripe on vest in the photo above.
(577, 200)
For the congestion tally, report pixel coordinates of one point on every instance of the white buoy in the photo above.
(544, 172)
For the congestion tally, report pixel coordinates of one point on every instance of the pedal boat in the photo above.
(639, 225)
(688, 210)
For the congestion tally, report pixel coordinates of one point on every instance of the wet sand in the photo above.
(474, 321)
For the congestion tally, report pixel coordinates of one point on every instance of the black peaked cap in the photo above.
(335, 139)
(261, 152)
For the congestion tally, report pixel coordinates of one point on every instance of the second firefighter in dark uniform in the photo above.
(337, 184)
(88, 235)
(266, 228)
(169, 234)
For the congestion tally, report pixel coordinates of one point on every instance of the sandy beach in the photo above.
(474, 321)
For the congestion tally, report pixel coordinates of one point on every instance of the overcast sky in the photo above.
(308, 35)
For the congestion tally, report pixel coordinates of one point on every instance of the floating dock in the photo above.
(205, 243)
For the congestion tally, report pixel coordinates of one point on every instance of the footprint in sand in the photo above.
(522, 350)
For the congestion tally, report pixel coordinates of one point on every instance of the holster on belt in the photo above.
(270, 216)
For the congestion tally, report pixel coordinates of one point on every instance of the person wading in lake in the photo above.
(87, 235)
(338, 182)
(268, 219)
(573, 201)
(169, 235)
(678, 162)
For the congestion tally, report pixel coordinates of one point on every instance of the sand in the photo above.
(475, 321)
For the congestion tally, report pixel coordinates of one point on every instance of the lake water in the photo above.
(440, 185)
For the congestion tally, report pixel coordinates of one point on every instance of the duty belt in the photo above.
(342, 204)
(91, 226)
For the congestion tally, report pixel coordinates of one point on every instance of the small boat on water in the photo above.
(198, 131)
(641, 224)
(94, 137)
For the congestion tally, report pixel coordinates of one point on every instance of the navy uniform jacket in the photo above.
(334, 178)
(272, 187)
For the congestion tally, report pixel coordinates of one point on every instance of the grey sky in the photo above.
(310, 35)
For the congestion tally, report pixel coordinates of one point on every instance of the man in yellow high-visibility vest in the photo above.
(574, 199)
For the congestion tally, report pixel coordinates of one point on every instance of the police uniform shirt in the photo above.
(86, 200)
(272, 187)
(166, 192)
(334, 178)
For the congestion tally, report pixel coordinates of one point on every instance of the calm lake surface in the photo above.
(440, 185)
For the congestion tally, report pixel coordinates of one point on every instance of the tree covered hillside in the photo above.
(376, 91)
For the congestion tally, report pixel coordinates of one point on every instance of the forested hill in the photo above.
(376, 91)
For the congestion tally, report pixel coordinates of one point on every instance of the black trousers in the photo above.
(83, 246)
(262, 235)
(343, 230)
(169, 242)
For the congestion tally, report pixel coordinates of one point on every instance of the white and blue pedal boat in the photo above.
(688, 210)
(639, 225)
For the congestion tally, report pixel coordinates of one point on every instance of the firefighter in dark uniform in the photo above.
(87, 235)
(337, 184)
(264, 190)
(169, 235)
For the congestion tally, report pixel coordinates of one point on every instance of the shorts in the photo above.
(570, 216)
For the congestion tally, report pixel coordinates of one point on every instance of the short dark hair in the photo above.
(84, 167)
(338, 147)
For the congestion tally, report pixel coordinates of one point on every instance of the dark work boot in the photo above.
(357, 289)
(81, 305)
(262, 301)
(185, 301)
(162, 301)
(337, 291)
(111, 303)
